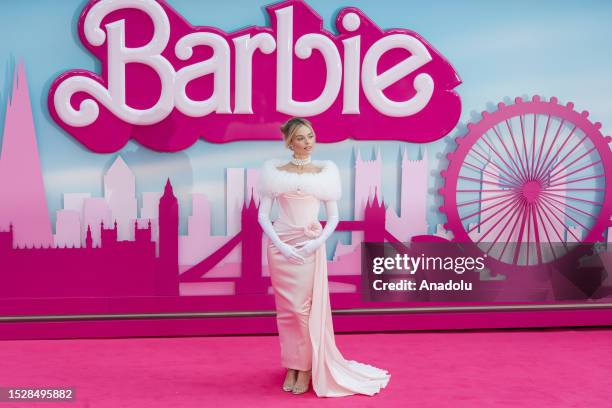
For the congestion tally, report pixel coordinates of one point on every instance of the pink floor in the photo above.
(502, 368)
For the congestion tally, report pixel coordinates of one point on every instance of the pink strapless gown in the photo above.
(303, 309)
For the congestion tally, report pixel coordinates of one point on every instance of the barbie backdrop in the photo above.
(133, 134)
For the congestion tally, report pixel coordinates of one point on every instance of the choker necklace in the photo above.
(300, 162)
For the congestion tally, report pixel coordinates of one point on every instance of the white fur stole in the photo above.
(325, 185)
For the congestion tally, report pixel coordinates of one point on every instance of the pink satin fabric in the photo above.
(303, 308)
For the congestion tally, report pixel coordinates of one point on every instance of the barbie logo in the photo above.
(167, 83)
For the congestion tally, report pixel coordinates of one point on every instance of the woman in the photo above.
(298, 269)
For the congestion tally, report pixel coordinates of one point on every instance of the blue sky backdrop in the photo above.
(500, 50)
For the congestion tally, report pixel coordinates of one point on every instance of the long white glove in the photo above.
(263, 216)
(308, 247)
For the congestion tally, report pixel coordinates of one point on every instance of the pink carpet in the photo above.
(509, 368)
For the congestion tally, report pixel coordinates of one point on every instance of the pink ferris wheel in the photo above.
(527, 183)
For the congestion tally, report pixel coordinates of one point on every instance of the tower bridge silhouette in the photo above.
(252, 280)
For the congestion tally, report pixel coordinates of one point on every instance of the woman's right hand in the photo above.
(290, 253)
(263, 216)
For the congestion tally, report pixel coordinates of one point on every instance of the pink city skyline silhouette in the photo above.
(197, 263)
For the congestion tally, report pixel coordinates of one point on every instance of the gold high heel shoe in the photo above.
(297, 391)
(289, 387)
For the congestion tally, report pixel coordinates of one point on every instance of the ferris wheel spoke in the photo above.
(546, 204)
(531, 220)
(483, 191)
(575, 189)
(484, 138)
(518, 155)
(527, 172)
(546, 211)
(533, 147)
(549, 201)
(551, 162)
(480, 223)
(519, 214)
(490, 161)
(536, 233)
(577, 180)
(537, 165)
(575, 171)
(480, 170)
(516, 203)
(571, 206)
(486, 199)
(520, 238)
(501, 231)
(573, 161)
(487, 209)
(552, 249)
(479, 181)
(570, 198)
(529, 211)
(557, 164)
(552, 143)
(479, 163)
(508, 152)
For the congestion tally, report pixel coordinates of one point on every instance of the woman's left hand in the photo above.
(308, 247)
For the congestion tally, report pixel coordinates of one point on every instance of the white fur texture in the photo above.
(325, 185)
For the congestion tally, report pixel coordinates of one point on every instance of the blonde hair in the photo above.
(291, 126)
